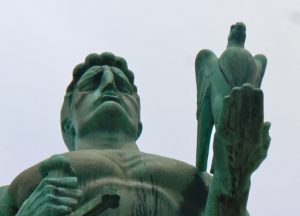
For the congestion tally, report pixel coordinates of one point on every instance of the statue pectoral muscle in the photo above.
(105, 173)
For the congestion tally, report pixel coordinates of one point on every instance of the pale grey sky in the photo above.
(41, 42)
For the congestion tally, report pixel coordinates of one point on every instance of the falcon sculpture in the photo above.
(216, 77)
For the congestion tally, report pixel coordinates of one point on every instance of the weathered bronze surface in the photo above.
(105, 173)
(215, 80)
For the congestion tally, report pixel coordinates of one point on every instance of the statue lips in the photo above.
(108, 96)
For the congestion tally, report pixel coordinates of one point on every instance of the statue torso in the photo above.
(146, 184)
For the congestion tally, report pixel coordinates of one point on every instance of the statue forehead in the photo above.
(98, 69)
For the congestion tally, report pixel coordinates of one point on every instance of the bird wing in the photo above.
(206, 63)
(261, 63)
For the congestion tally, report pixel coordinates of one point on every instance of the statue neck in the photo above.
(106, 141)
(234, 43)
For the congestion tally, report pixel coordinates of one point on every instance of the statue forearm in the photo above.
(241, 143)
(223, 201)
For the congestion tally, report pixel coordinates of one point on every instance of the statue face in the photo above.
(103, 99)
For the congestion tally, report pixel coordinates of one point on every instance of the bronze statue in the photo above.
(105, 173)
(216, 78)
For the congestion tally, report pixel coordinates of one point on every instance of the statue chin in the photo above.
(109, 116)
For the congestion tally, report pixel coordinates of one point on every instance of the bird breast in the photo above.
(238, 66)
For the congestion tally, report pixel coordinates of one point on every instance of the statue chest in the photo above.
(143, 185)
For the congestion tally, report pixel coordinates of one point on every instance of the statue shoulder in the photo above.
(22, 186)
(26, 182)
(6, 203)
(3, 190)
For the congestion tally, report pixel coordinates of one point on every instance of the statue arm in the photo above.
(241, 143)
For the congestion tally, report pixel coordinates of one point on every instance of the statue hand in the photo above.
(53, 196)
(57, 194)
(242, 139)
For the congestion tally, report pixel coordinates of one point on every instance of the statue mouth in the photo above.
(107, 98)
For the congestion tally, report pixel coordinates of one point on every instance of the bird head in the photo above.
(237, 35)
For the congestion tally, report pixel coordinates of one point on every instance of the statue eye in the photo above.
(90, 83)
(123, 86)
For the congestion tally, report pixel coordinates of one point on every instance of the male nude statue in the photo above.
(105, 173)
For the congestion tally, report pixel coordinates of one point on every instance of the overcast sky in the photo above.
(42, 41)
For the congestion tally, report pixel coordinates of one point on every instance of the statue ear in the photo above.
(69, 134)
(140, 128)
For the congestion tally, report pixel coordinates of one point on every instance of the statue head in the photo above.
(237, 35)
(101, 97)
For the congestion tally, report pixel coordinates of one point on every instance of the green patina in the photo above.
(105, 173)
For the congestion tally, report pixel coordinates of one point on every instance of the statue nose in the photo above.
(108, 81)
